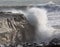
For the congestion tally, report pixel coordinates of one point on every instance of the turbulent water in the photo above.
(39, 18)
(44, 32)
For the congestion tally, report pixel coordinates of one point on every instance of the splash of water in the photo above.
(39, 17)
(16, 11)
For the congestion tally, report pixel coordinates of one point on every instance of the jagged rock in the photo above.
(54, 43)
(15, 29)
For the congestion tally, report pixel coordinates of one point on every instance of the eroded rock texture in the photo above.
(15, 28)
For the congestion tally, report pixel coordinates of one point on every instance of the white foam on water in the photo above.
(16, 11)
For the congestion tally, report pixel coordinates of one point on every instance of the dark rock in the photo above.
(54, 43)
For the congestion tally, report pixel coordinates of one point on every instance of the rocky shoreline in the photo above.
(16, 31)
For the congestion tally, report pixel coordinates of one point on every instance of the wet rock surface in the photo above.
(15, 29)
(54, 42)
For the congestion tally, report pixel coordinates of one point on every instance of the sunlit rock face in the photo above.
(15, 28)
